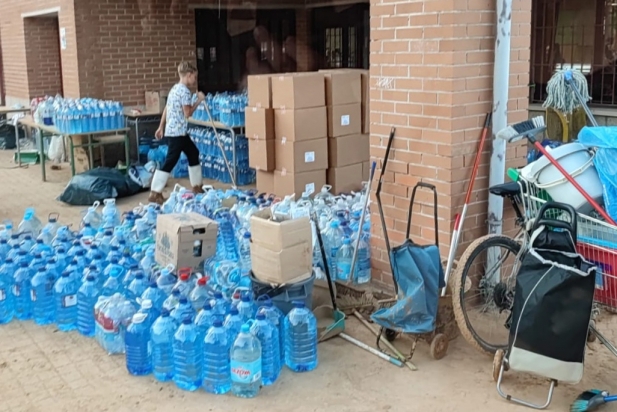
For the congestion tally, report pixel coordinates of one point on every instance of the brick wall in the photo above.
(43, 56)
(431, 78)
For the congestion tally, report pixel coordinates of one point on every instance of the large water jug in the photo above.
(201, 293)
(344, 256)
(162, 336)
(166, 279)
(65, 291)
(276, 317)
(155, 295)
(137, 345)
(220, 305)
(300, 328)
(268, 336)
(245, 359)
(188, 356)
(30, 223)
(205, 319)
(137, 287)
(7, 300)
(42, 295)
(246, 307)
(22, 287)
(183, 310)
(233, 323)
(216, 372)
(87, 296)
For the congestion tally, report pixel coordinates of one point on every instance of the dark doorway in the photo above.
(341, 36)
(234, 43)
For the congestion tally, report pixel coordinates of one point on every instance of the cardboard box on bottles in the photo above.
(156, 101)
(281, 251)
(184, 239)
(264, 181)
(300, 124)
(343, 86)
(261, 154)
(286, 183)
(298, 90)
(345, 179)
(297, 157)
(348, 150)
(344, 120)
(260, 91)
(259, 123)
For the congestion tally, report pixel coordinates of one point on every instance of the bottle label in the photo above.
(245, 372)
(69, 301)
(32, 295)
(2, 295)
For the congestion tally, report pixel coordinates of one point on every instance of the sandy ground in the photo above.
(44, 369)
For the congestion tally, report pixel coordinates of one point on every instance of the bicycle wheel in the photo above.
(482, 297)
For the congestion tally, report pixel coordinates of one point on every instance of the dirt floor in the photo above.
(44, 369)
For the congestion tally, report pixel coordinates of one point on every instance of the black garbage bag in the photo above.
(98, 184)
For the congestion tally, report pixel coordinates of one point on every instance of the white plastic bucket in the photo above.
(577, 160)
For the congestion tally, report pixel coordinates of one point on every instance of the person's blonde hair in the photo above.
(185, 68)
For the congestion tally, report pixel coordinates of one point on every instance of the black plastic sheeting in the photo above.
(98, 184)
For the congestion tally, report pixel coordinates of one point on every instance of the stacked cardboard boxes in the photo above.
(348, 145)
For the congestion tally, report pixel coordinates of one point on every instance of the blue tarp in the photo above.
(419, 275)
(605, 140)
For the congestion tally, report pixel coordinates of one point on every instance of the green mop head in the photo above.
(561, 97)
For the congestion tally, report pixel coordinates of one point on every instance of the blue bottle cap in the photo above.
(154, 285)
(298, 304)
(24, 264)
(183, 299)
(218, 295)
(39, 241)
(187, 320)
(114, 260)
(164, 312)
(217, 323)
(42, 269)
(260, 316)
(8, 260)
(94, 246)
(245, 328)
(247, 235)
(245, 298)
(139, 275)
(66, 274)
(92, 267)
(234, 311)
(61, 250)
(90, 278)
(175, 292)
(134, 266)
(207, 306)
(98, 256)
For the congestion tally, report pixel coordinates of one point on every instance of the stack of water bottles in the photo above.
(78, 116)
(212, 161)
(158, 154)
(226, 108)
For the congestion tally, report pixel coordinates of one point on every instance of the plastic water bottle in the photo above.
(27, 243)
(162, 337)
(65, 291)
(87, 296)
(184, 284)
(4, 249)
(137, 345)
(268, 336)
(113, 283)
(201, 293)
(131, 274)
(148, 262)
(166, 280)
(216, 372)
(344, 256)
(246, 307)
(363, 272)
(333, 241)
(155, 295)
(172, 300)
(21, 292)
(205, 319)
(276, 317)
(37, 262)
(41, 248)
(7, 300)
(245, 360)
(42, 295)
(220, 305)
(137, 287)
(300, 329)
(245, 253)
(183, 310)
(188, 356)
(233, 323)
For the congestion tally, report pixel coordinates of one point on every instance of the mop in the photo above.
(591, 400)
(566, 91)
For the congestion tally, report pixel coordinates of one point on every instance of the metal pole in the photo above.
(501, 79)
(220, 144)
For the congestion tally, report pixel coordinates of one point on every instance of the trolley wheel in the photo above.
(497, 361)
(439, 346)
(391, 335)
(591, 337)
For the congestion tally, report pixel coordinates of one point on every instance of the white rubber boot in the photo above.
(159, 180)
(196, 179)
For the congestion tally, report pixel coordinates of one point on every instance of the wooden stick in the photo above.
(390, 346)
(372, 350)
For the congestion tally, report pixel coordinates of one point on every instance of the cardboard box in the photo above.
(297, 157)
(281, 252)
(301, 124)
(345, 179)
(366, 171)
(261, 154)
(184, 239)
(82, 160)
(286, 183)
(343, 87)
(366, 98)
(156, 101)
(265, 181)
(259, 91)
(348, 150)
(344, 120)
(259, 123)
(298, 91)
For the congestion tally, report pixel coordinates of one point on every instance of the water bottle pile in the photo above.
(212, 161)
(75, 116)
(227, 108)
(158, 154)
(103, 282)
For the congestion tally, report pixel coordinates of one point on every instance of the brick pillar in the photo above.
(431, 77)
(41, 37)
(304, 49)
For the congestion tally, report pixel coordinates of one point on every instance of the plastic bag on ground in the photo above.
(97, 185)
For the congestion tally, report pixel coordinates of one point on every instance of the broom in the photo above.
(591, 400)
(566, 91)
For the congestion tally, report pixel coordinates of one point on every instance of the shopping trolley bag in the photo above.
(552, 302)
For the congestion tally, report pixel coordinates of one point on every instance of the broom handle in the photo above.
(361, 225)
(374, 351)
(570, 81)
